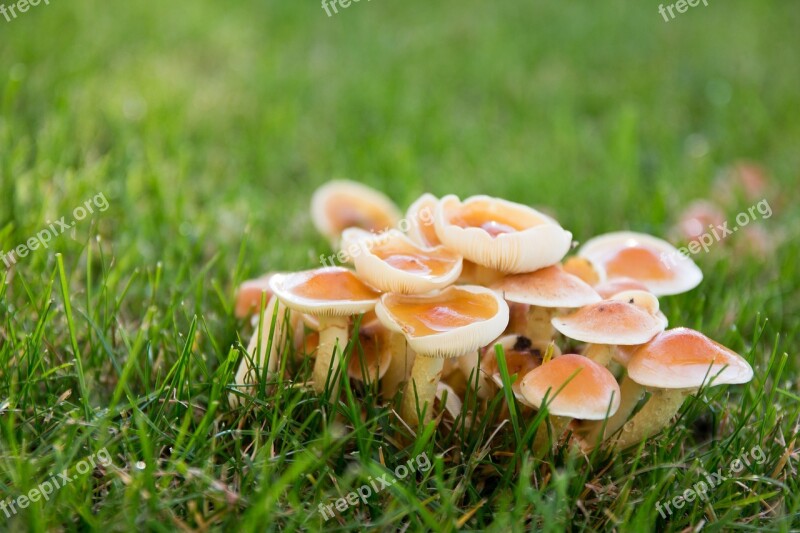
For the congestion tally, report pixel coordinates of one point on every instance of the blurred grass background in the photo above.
(207, 125)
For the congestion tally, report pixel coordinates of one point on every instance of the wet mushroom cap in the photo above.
(682, 358)
(584, 269)
(449, 323)
(610, 322)
(652, 261)
(589, 391)
(499, 234)
(330, 291)
(342, 204)
(547, 287)
(391, 262)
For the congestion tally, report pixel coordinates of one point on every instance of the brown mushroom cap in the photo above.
(330, 291)
(584, 269)
(610, 287)
(520, 356)
(391, 262)
(612, 322)
(342, 204)
(650, 260)
(589, 391)
(248, 297)
(682, 358)
(449, 323)
(548, 287)
(499, 234)
(374, 341)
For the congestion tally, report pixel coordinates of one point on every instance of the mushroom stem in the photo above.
(249, 371)
(468, 364)
(630, 395)
(399, 366)
(599, 353)
(542, 441)
(652, 418)
(332, 332)
(539, 329)
(421, 389)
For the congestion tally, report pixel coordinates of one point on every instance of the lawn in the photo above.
(196, 133)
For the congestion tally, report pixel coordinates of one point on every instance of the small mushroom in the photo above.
(330, 294)
(500, 235)
(250, 368)
(452, 402)
(376, 350)
(437, 326)
(521, 357)
(630, 318)
(572, 386)
(650, 260)
(342, 204)
(248, 297)
(612, 287)
(584, 269)
(545, 291)
(391, 262)
(677, 363)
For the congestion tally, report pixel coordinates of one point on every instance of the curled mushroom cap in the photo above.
(342, 204)
(584, 269)
(450, 323)
(391, 262)
(589, 391)
(330, 291)
(501, 235)
(650, 260)
(682, 358)
(633, 320)
(420, 217)
(547, 287)
(248, 297)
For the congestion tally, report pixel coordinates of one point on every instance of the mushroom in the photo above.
(545, 290)
(631, 317)
(330, 294)
(260, 348)
(391, 262)
(420, 219)
(452, 402)
(571, 386)
(248, 296)
(650, 260)
(370, 363)
(677, 363)
(500, 235)
(521, 357)
(342, 204)
(584, 269)
(612, 287)
(440, 325)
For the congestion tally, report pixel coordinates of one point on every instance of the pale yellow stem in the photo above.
(630, 395)
(332, 341)
(399, 367)
(548, 434)
(421, 389)
(540, 329)
(652, 418)
(599, 353)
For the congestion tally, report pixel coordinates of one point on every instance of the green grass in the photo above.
(207, 126)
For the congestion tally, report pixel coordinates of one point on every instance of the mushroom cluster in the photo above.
(441, 295)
